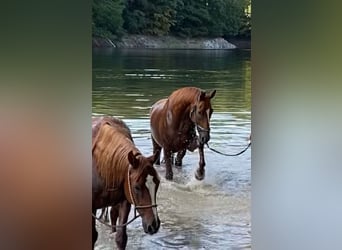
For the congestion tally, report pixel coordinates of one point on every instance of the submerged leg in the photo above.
(172, 159)
(168, 164)
(200, 172)
(114, 214)
(156, 147)
(95, 233)
(121, 234)
(179, 158)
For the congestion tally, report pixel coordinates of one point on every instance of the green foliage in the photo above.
(107, 18)
(210, 18)
(192, 19)
(152, 17)
(186, 18)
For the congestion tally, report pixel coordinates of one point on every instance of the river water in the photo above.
(209, 214)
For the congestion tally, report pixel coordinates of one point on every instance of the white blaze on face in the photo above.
(151, 186)
(208, 114)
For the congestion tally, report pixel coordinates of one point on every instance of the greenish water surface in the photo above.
(214, 213)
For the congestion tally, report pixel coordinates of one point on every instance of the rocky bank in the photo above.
(164, 42)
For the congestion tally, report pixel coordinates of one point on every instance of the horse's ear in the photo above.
(154, 157)
(211, 94)
(132, 159)
(201, 96)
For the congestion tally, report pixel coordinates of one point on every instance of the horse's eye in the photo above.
(137, 188)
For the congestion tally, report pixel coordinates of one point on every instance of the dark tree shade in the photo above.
(186, 18)
(107, 17)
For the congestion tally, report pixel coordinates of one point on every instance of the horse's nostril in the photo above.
(150, 229)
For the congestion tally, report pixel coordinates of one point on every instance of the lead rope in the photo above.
(216, 151)
(241, 152)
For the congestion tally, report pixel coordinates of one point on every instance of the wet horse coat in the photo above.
(122, 176)
(174, 121)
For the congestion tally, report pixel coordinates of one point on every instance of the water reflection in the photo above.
(214, 213)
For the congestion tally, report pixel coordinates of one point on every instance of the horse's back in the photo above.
(159, 105)
(115, 123)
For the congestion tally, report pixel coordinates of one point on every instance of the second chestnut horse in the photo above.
(174, 121)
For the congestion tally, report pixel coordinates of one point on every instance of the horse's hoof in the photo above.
(169, 176)
(199, 176)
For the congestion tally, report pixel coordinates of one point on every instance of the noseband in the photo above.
(201, 129)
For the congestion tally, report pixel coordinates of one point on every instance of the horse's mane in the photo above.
(184, 96)
(112, 141)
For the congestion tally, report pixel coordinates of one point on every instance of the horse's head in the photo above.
(200, 114)
(142, 185)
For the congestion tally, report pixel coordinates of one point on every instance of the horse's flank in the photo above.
(112, 142)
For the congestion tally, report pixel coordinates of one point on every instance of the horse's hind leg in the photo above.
(95, 233)
(121, 235)
(156, 147)
(168, 164)
(179, 158)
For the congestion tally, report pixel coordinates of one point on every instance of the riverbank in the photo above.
(169, 42)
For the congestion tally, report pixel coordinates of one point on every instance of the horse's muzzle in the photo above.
(153, 227)
(203, 134)
(203, 137)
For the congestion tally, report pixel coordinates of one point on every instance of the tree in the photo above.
(107, 18)
(192, 19)
(152, 17)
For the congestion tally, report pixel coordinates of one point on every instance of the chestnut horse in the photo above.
(122, 176)
(174, 121)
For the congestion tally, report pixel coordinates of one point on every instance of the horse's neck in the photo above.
(181, 116)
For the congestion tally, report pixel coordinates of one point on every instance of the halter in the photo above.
(132, 196)
(133, 203)
(201, 129)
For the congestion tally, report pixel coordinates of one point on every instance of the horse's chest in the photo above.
(180, 141)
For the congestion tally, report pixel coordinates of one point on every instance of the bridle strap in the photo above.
(201, 129)
(132, 196)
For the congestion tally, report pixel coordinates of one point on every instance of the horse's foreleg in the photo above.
(156, 147)
(200, 172)
(95, 233)
(168, 164)
(114, 214)
(121, 234)
(179, 158)
(172, 159)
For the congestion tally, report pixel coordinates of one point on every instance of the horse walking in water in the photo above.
(174, 121)
(122, 176)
